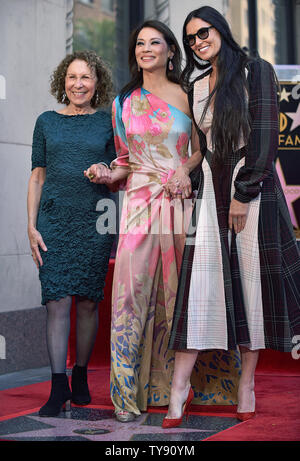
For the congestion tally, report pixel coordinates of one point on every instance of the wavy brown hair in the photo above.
(104, 88)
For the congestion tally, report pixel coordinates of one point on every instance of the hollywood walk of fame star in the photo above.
(291, 192)
(295, 116)
(68, 428)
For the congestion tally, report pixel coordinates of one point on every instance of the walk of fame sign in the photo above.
(288, 159)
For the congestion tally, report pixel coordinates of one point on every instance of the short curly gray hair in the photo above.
(104, 89)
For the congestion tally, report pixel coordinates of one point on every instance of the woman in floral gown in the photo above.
(152, 127)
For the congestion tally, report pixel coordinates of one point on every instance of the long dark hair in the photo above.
(230, 103)
(136, 75)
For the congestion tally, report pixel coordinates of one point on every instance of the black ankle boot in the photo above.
(60, 396)
(80, 389)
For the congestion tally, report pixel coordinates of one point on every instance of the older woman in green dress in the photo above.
(72, 257)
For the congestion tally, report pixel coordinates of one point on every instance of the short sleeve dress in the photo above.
(77, 256)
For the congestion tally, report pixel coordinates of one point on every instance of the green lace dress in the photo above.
(77, 259)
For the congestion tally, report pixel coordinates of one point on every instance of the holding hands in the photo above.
(98, 174)
(179, 185)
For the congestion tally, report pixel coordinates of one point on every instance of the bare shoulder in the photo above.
(180, 99)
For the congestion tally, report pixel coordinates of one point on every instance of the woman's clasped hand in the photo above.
(179, 185)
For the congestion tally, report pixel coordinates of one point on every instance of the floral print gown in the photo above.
(151, 139)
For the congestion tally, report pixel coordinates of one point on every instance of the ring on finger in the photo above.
(91, 176)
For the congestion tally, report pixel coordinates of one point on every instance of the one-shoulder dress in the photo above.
(152, 138)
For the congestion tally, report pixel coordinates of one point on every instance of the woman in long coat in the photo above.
(240, 277)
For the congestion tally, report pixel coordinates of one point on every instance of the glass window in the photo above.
(276, 34)
(95, 30)
(108, 5)
(266, 30)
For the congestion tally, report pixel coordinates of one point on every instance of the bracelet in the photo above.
(105, 164)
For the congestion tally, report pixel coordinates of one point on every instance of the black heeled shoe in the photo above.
(80, 389)
(60, 396)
